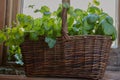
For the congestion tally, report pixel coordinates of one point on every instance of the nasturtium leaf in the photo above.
(94, 10)
(37, 22)
(58, 12)
(71, 10)
(92, 18)
(75, 29)
(33, 36)
(47, 13)
(108, 28)
(96, 2)
(18, 59)
(84, 32)
(3, 37)
(31, 6)
(87, 26)
(109, 19)
(51, 42)
(114, 35)
(70, 21)
(49, 33)
(102, 16)
(37, 10)
(19, 62)
(41, 32)
(78, 11)
(44, 9)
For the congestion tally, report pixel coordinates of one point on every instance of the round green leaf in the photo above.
(92, 18)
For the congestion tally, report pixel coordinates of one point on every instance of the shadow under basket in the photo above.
(79, 57)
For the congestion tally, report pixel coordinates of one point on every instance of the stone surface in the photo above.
(112, 75)
(114, 57)
(109, 75)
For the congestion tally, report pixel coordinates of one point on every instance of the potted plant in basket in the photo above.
(46, 53)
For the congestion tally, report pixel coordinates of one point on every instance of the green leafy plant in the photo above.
(93, 21)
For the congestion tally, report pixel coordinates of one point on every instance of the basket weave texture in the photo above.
(80, 56)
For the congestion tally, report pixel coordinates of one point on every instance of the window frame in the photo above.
(118, 24)
(2, 23)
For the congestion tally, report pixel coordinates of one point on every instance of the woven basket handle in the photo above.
(64, 21)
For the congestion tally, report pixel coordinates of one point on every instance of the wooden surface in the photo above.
(109, 75)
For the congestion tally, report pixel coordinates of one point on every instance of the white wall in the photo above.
(53, 4)
(107, 5)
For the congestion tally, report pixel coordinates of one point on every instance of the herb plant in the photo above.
(93, 21)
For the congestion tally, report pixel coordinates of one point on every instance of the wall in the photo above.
(53, 4)
(107, 5)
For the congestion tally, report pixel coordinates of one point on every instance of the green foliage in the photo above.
(2, 36)
(96, 2)
(93, 21)
(51, 42)
(15, 52)
(31, 6)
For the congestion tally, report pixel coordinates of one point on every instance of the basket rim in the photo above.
(105, 37)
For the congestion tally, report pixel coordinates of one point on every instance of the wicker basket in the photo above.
(80, 57)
